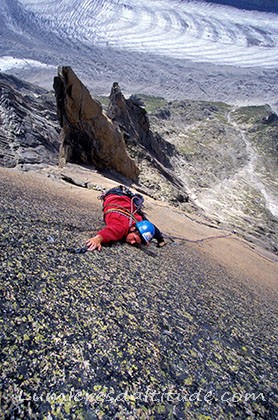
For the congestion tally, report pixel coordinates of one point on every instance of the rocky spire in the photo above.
(133, 121)
(88, 135)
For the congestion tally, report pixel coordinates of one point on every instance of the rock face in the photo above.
(88, 136)
(133, 121)
(28, 124)
(168, 322)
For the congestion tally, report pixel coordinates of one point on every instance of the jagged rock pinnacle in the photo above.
(88, 135)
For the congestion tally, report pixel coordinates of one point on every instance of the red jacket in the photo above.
(117, 224)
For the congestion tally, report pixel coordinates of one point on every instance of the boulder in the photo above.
(88, 136)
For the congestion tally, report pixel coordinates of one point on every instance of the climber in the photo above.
(124, 220)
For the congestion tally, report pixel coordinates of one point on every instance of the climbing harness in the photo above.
(124, 212)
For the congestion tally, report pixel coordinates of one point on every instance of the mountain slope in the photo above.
(29, 132)
(226, 155)
(221, 160)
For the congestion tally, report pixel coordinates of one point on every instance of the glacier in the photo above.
(174, 48)
(197, 31)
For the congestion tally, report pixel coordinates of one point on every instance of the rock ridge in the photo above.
(29, 127)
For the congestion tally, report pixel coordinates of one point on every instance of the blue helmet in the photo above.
(146, 230)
